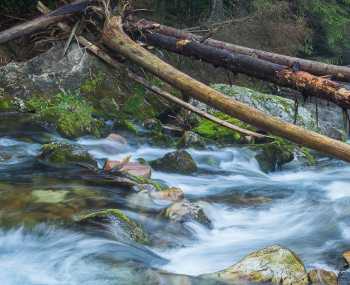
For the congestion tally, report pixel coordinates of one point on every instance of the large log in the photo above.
(305, 82)
(42, 22)
(115, 38)
(341, 73)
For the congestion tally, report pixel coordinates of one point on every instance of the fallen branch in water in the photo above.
(311, 66)
(193, 109)
(115, 38)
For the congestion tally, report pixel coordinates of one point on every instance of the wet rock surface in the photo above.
(275, 264)
(178, 162)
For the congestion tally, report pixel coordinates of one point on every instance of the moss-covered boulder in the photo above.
(185, 211)
(274, 264)
(322, 277)
(272, 156)
(114, 216)
(178, 162)
(68, 112)
(65, 155)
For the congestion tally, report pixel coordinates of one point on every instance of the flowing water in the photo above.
(303, 208)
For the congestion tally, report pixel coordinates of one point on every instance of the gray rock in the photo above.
(178, 162)
(50, 72)
(274, 264)
(330, 119)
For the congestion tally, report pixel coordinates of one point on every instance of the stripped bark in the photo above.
(341, 73)
(114, 37)
(239, 63)
(193, 109)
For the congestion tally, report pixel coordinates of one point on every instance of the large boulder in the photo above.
(50, 72)
(274, 264)
(66, 155)
(116, 217)
(178, 162)
(330, 121)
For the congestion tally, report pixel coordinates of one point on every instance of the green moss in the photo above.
(68, 112)
(309, 157)
(143, 180)
(271, 156)
(64, 154)
(91, 85)
(215, 132)
(134, 230)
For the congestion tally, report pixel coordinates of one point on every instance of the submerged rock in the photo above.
(274, 264)
(185, 211)
(49, 196)
(110, 216)
(322, 277)
(170, 194)
(178, 162)
(191, 140)
(117, 138)
(63, 155)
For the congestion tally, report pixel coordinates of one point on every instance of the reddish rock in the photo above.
(133, 168)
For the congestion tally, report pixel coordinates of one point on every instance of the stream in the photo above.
(303, 208)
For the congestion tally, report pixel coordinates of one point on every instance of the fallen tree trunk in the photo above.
(42, 22)
(114, 37)
(239, 63)
(193, 109)
(341, 73)
(105, 57)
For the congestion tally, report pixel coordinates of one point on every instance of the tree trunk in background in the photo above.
(217, 12)
(239, 63)
(341, 73)
(114, 37)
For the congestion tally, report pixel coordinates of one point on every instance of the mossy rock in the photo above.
(68, 112)
(131, 228)
(272, 156)
(49, 196)
(178, 162)
(271, 265)
(322, 277)
(66, 155)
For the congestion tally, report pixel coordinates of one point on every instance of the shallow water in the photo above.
(303, 208)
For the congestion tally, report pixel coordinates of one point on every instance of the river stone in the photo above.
(274, 264)
(272, 156)
(346, 256)
(178, 162)
(132, 168)
(65, 155)
(49, 196)
(185, 211)
(322, 277)
(115, 216)
(170, 194)
(191, 139)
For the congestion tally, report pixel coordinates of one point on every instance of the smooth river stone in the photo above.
(133, 168)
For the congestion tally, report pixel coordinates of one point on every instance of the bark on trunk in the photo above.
(305, 82)
(116, 39)
(42, 22)
(341, 73)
